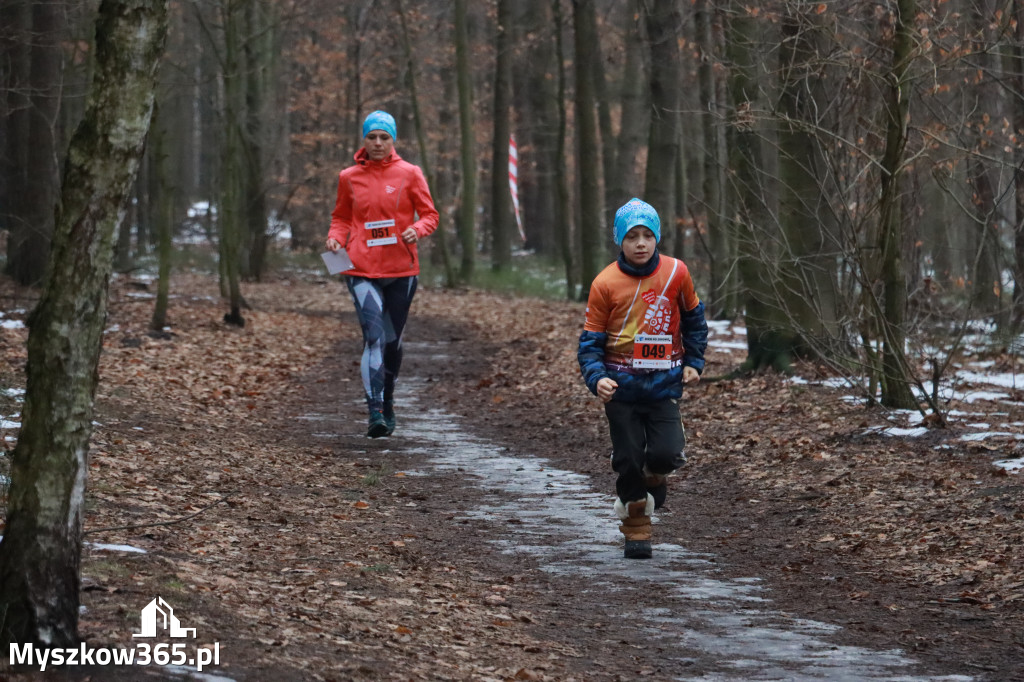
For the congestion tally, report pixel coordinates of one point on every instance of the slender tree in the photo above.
(467, 209)
(231, 207)
(592, 233)
(501, 200)
(34, 142)
(562, 198)
(663, 22)
(421, 140)
(896, 390)
(41, 552)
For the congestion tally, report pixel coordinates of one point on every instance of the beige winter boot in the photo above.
(636, 526)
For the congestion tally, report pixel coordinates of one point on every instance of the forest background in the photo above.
(844, 175)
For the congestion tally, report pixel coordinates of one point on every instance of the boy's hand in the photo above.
(690, 375)
(606, 388)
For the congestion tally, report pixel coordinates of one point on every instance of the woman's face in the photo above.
(378, 145)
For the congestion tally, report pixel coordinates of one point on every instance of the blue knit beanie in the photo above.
(636, 212)
(380, 120)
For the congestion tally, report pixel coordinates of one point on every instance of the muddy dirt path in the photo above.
(478, 543)
(541, 535)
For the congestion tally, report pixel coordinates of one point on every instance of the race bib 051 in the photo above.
(382, 232)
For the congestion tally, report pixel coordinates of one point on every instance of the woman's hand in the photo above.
(606, 388)
(410, 236)
(332, 244)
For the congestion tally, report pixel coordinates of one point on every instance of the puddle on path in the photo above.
(732, 621)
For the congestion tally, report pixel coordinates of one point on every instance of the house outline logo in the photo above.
(158, 611)
(389, 189)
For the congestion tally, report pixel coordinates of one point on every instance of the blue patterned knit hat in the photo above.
(636, 212)
(380, 120)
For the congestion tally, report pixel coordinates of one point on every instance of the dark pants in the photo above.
(642, 434)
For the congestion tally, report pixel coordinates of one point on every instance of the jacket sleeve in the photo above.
(424, 205)
(694, 333)
(591, 358)
(341, 216)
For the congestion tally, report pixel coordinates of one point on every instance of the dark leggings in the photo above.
(644, 434)
(383, 308)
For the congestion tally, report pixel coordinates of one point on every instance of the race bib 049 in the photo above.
(652, 351)
(382, 232)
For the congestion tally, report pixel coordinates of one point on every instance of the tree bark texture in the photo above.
(467, 209)
(592, 234)
(41, 551)
(663, 22)
(502, 213)
(35, 98)
(896, 390)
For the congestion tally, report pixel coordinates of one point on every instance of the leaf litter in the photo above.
(310, 568)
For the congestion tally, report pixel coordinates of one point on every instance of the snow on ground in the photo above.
(967, 387)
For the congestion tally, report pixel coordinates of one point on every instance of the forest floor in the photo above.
(229, 475)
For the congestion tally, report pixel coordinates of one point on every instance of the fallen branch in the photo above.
(160, 523)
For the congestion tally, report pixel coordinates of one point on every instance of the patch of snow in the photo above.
(1014, 466)
(985, 435)
(116, 548)
(16, 393)
(12, 324)
(1004, 379)
(8, 424)
(914, 432)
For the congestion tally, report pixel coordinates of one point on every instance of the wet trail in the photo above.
(730, 621)
(675, 611)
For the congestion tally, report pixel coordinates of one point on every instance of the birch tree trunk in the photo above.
(41, 552)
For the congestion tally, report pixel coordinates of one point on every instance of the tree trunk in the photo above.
(162, 215)
(663, 22)
(41, 552)
(502, 214)
(562, 202)
(1018, 176)
(421, 140)
(806, 273)
(230, 215)
(591, 223)
(896, 392)
(467, 209)
(769, 337)
(718, 237)
(626, 180)
(36, 175)
(259, 62)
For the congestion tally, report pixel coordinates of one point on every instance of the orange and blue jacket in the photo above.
(377, 201)
(625, 302)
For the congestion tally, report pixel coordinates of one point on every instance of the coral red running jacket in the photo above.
(377, 201)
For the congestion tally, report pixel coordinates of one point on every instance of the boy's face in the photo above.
(638, 246)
